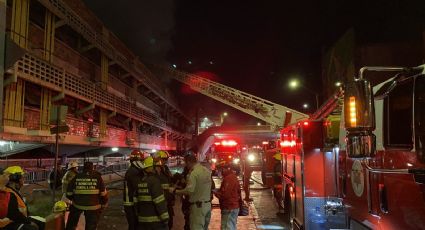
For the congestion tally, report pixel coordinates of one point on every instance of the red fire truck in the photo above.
(368, 174)
(225, 152)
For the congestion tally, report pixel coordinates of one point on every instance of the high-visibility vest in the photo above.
(21, 203)
(87, 191)
(151, 203)
(4, 203)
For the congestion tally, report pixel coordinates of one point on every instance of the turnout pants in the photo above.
(200, 216)
(131, 217)
(92, 218)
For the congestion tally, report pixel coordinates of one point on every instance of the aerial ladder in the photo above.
(276, 115)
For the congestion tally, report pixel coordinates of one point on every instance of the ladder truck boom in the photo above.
(270, 112)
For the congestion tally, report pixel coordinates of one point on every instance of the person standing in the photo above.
(132, 176)
(165, 176)
(229, 197)
(198, 188)
(67, 178)
(88, 194)
(13, 212)
(151, 205)
(277, 179)
(55, 184)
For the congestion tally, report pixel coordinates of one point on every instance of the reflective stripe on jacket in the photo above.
(151, 203)
(87, 191)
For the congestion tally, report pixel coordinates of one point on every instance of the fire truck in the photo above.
(225, 152)
(358, 162)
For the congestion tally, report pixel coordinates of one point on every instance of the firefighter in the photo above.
(55, 183)
(56, 220)
(88, 194)
(14, 211)
(67, 178)
(133, 174)
(151, 204)
(277, 178)
(165, 176)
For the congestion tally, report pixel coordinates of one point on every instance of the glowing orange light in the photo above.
(230, 156)
(353, 112)
(265, 142)
(306, 123)
(229, 143)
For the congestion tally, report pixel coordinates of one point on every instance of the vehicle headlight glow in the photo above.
(236, 161)
(251, 157)
(214, 160)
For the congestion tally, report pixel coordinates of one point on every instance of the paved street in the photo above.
(262, 211)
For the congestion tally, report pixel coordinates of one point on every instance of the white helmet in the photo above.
(73, 164)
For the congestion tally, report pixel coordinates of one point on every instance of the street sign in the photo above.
(59, 129)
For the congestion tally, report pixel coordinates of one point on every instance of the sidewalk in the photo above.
(249, 222)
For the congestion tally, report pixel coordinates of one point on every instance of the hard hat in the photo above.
(277, 156)
(147, 162)
(59, 206)
(136, 153)
(15, 170)
(163, 154)
(73, 164)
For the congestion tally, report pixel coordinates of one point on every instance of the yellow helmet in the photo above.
(15, 170)
(59, 206)
(147, 162)
(277, 156)
(163, 154)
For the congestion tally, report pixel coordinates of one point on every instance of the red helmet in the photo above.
(136, 155)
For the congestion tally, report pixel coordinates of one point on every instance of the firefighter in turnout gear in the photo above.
(67, 178)
(151, 205)
(88, 194)
(132, 176)
(277, 178)
(165, 176)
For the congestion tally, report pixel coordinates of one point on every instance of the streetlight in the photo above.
(294, 84)
(305, 106)
(258, 124)
(338, 84)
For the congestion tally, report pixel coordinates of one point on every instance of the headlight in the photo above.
(251, 157)
(236, 161)
(214, 160)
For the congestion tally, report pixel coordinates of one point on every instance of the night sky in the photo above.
(255, 46)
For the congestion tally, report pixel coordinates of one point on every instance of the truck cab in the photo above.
(225, 153)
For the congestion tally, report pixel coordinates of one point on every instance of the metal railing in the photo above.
(35, 70)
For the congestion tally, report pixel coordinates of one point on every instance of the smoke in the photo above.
(144, 26)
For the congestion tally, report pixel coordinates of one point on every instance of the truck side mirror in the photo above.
(359, 117)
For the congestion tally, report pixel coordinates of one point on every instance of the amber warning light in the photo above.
(353, 119)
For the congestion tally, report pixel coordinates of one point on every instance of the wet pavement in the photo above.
(263, 211)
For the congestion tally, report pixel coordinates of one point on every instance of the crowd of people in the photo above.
(149, 194)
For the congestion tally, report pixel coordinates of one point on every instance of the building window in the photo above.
(398, 129)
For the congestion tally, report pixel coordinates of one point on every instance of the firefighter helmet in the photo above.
(163, 154)
(136, 154)
(59, 206)
(73, 164)
(277, 156)
(147, 162)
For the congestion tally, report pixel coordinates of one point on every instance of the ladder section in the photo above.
(262, 109)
